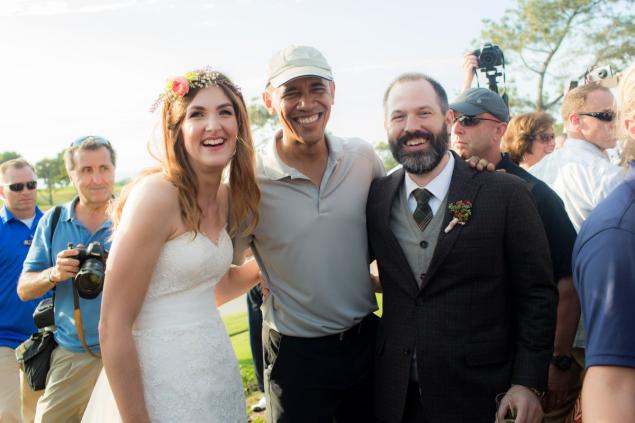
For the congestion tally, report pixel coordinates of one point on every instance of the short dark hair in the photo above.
(90, 143)
(442, 97)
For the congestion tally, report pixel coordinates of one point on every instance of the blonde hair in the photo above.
(521, 133)
(243, 189)
(574, 100)
(626, 108)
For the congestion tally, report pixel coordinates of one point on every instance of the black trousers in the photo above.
(320, 380)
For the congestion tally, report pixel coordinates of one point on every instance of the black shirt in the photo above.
(560, 232)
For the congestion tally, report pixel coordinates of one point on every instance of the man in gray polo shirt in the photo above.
(311, 245)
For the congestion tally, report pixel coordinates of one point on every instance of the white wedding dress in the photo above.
(188, 367)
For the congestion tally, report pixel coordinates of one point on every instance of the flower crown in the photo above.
(178, 87)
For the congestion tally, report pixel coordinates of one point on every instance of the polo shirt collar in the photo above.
(6, 215)
(70, 210)
(275, 168)
(69, 214)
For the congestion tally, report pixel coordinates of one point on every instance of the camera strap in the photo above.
(77, 314)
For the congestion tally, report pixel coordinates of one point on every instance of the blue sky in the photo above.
(77, 67)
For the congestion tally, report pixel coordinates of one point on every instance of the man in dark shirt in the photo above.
(480, 120)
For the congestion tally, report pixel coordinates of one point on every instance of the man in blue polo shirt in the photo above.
(75, 363)
(18, 218)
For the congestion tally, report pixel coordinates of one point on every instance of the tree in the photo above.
(53, 173)
(559, 40)
(384, 153)
(263, 123)
(8, 155)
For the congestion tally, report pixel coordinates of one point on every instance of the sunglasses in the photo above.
(467, 120)
(19, 186)
(603, 116)
(544, 137)
(98, 140)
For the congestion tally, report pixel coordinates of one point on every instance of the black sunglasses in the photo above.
(467, 120)
(19, 186)
(98, 140)
(603, 116)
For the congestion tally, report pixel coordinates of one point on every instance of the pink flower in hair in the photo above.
(180, 86)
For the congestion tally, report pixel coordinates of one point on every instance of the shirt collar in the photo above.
(439, 186)
(6, 215)
(578, 144)
(70, 209)
(274, 168)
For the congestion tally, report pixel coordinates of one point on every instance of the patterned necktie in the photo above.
(423, 212)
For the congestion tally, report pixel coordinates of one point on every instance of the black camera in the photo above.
(89, 281)
(489, 56)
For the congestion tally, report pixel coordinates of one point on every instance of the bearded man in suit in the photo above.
(469, 305)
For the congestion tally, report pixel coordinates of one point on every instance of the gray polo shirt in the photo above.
(311, 243)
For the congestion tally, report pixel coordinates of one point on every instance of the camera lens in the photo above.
(90, 279)
(487, 59)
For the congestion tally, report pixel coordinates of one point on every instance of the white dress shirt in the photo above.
(581, 174)
(438, 187)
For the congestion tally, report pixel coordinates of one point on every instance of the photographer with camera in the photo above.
(76, 276)
(18, 219)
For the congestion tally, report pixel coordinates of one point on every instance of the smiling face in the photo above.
(303, 106)
(93, 176)
(210, 130)
(415, 126)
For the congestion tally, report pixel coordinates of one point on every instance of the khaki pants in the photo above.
(69, 384)
(17, 399)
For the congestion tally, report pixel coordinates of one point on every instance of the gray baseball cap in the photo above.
(481, 100)
(295, 62)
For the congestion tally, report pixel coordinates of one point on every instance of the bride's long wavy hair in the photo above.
(175, 163)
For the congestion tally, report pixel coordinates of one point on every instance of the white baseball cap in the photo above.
(295, 62)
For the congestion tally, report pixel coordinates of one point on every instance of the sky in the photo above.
(81, 67)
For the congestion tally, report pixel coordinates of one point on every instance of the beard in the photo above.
(420, 162)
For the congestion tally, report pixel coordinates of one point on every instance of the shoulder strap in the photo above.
(54, 220)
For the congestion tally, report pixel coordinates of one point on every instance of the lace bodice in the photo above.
(188, 367)
(187, 261)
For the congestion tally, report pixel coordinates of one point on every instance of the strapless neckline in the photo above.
(221, 235)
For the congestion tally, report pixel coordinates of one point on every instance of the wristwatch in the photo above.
(562, 362)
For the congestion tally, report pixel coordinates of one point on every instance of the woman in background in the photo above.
(529, 137)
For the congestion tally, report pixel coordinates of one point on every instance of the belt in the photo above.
(354, 331)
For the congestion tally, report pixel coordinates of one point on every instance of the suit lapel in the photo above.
(462, 187)
(389, 195)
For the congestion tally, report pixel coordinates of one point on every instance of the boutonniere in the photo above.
(461, 211)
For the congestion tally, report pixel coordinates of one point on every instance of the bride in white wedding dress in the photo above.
(166, 354)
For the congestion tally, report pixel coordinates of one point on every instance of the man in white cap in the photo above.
(319, 327)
